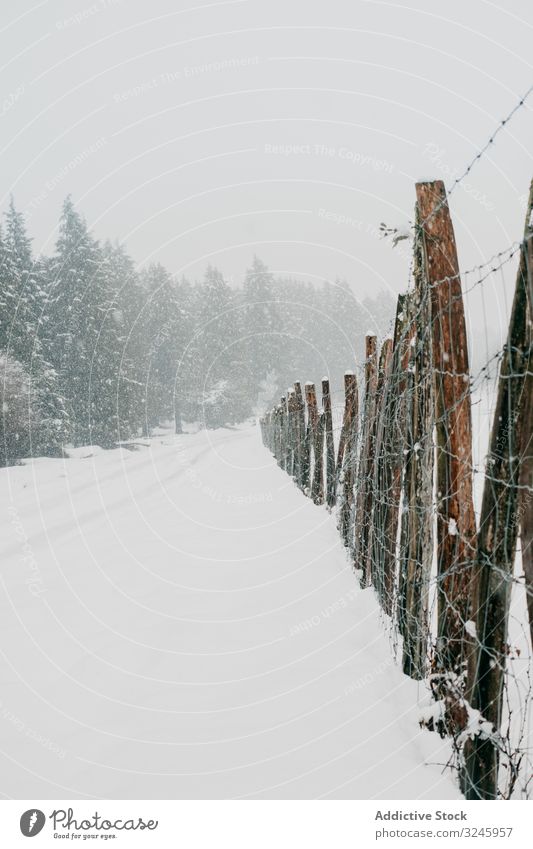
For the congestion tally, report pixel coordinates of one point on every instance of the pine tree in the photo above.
(221, 361)
(23, 299)
(78, 307)
(117, 391)
(262, 324)
(165, 331)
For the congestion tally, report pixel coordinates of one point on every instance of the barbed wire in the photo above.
(481, 152)
(390, 450)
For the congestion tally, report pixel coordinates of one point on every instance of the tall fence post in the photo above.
(317, 490)
(276, 433)
(456, 526)
(283, 433)
(376, 539)
(406, 488)
(525, 510)
(330, 445)
(497, 542)
(363, 508)
(304, 453)
(420, 481)
(315, 441)
(291, 435)
(395, 440)
(346, 457)
(312, 423)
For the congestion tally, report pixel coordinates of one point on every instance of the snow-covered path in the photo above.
(152, 639)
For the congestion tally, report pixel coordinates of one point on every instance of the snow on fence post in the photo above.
(525, 511)
(330, 445)
(363, 509)
(283, 432)
(279, 433)
(376, 540)
(419, 555)
(395, 437)
(317, 490)
(290, 432)
(302, 459)
(405, 524)
(456, 527)
(342, 437)
(312, 420)
(315, 443)
(497, 539)
(346, 458)
(272, 431)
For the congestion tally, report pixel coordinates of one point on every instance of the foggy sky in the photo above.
(201, 132)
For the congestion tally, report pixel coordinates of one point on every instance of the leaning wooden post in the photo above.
(497, 539)
(302, 458)
(271, 430)
(376, 539)
(283, 432)
(279, 433)
(363, 508)
(346, 459)
(330, 445)
(456, 526)
(306, 444)
(395, 440)
(525, 511)
(266, 438)
(312, 421)
(290, 431)
(317, 489)
(315, 445)
(420, 550)
(406, 489)
(342, 438)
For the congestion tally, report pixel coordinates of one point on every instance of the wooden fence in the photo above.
(401, 481)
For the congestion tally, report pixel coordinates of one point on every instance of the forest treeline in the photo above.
(94, 351)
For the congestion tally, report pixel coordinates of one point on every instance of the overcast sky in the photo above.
(197, 131)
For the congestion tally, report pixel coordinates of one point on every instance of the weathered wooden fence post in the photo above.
(406, 488)
(420, 480)
(395, 441)
(456, 527)
(330, 445)
(342, 437)
(317, 490)
(347, 456)
(302, 457)
(363, 508)
(526, 448)
(290, 432)
(497, 538)
(310, 434)
(283, 433)
(315, 441)
(271, 437)
(279, 433)
(376, 538)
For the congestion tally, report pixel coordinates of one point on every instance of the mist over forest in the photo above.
(94, 351)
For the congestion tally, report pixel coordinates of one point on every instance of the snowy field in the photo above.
(180, 622)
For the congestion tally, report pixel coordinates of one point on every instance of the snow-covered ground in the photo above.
(179, 621)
